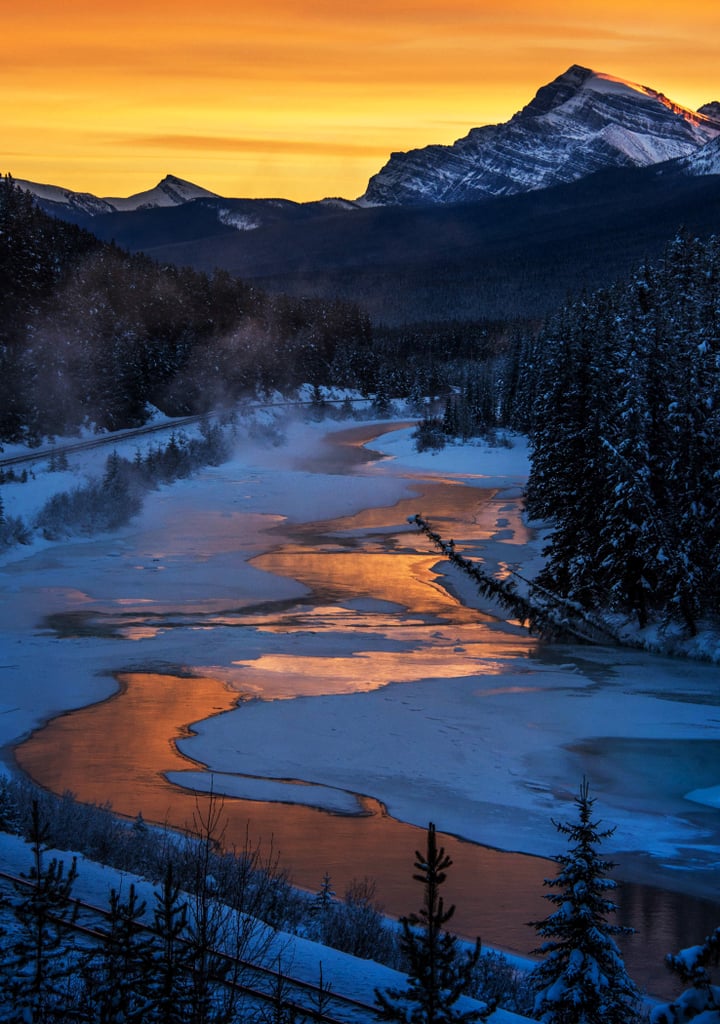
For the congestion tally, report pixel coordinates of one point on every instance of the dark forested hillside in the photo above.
(624, 392)
(512, 256)
(91, 334)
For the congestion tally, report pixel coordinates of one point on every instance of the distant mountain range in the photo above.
(592, 175)
(582, 122)
(171, 191)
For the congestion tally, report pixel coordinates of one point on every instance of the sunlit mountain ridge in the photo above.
(582, 122)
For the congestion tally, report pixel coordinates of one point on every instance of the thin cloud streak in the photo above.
(254, 145)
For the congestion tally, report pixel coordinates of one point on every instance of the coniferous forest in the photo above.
(624, 419)
(90, 334)
(618, 393)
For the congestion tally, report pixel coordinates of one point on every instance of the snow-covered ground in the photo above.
(344, 702)
(299, 958)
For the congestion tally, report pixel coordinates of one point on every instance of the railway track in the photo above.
(73, 447)
(96, 442)
(87, 927)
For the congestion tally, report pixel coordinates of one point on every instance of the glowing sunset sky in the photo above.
(305, 98)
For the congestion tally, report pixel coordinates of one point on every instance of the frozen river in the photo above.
(343, 691)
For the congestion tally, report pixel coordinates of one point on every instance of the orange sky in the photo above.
(305, 98)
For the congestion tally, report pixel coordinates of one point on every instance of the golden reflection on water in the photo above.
(141, 632)
(282, 676)
(119, 749)
(403, 580)
(447, 500)
(367, 572)
(471, 511)
(125, 745)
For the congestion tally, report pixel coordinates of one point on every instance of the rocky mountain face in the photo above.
(584, 121)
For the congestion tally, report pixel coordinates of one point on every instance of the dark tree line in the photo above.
(481, 384)
(620, 394)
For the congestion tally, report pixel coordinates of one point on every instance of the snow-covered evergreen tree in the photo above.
(324, 897)
(439, 973)
(625, 432)
(700, 1002)
(582, 979)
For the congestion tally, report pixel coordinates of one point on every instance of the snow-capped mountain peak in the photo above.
(578, 80)
(581, 122)
(171, 191)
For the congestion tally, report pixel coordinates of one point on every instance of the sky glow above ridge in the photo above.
(305, 99)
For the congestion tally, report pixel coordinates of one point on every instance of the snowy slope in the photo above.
(347, 975)
(581, 122)
(84, 202)
(704, 161)
(171, 191)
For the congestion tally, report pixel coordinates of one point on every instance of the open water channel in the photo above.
(363, 576)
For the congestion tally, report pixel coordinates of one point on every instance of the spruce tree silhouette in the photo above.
(439, 973)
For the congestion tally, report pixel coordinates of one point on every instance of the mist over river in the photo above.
(274, 628)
